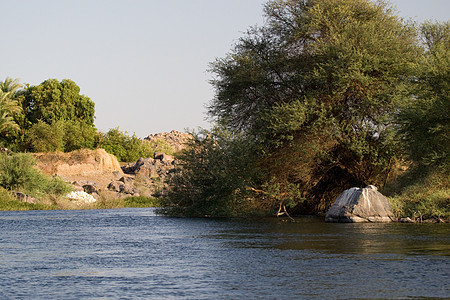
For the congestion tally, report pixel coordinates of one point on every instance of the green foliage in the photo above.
(315, 90)
(217, 169)
(425, 119)
(9, 203)
(125, 148)
(19, 172)
(79, 135)
(9, 107)
(64, 136)
(161, 146)
(52, 101)
(422, 197)
(43, 137)
(55, 117)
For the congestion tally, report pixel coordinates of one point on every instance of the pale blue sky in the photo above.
(143, 63)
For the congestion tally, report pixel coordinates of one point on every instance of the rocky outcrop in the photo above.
(99, 174)
(153, 172)
(77, 162)
(360, 205)
(175, 139)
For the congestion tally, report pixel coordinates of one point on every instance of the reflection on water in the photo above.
(133, 254)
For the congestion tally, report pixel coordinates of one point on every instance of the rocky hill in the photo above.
(175, 139)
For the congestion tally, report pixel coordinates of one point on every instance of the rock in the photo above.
(406, 220)
(360, 205)
(164, 157)
(116, 186)
(78, 162)
(24, 197)
(121, 187)
(81, 197)
(89, 187)
(127, 180)
(146, 167)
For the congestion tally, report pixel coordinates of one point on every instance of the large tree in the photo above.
(425, 119)
(53, 101)
(316, 88)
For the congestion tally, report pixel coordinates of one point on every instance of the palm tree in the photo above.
(10, 86)
(8, 107)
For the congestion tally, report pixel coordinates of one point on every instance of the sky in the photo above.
(143, 62)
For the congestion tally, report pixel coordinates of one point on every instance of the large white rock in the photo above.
(360, 205)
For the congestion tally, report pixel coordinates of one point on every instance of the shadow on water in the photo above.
(313, 234)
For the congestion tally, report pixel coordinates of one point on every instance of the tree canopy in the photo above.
(318, 87)
(53, 101)
(316, 91)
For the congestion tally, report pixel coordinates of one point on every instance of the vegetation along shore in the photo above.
(325, 96)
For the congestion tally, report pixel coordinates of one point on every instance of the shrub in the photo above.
(42, 137)
(9, 202)
(125, 148)
(421, 198)
(19, 172)
(61, 136)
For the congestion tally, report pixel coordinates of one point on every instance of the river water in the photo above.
(135, 254)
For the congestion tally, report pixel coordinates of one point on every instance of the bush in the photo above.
(64, 136)
(421, 198)
(78, 135)
(43, 137)
(217, 171)
(9, 203)
(125, 148)
(19, 172)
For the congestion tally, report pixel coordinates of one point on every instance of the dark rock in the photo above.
(121, 187)
(129, 169)
(24, 197)
(116, 186)
(360, 205)
(147, 167)
(89, 187)
(127, 180)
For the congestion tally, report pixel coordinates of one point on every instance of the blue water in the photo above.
(135, 254)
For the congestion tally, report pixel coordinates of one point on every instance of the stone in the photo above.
(121, 187)
(406, 220)
(116, 186)
(87, 186)
(146, 167)
(357, 205)
(24, 197)
(127, 180)
(164, 157)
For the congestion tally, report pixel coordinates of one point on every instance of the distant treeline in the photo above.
(53, 116)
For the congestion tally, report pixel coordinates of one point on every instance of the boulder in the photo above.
(24, 197)
(89, 187)
(121, 187)
(360, 205)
